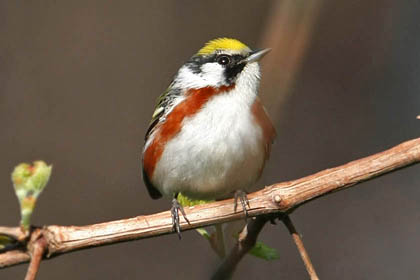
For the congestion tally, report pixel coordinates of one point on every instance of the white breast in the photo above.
(218, 150)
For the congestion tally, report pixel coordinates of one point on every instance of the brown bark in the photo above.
(277, 198)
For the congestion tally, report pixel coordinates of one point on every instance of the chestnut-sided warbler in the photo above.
(210, 135)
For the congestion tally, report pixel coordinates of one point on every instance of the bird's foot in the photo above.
(241, 196)
(176, 208)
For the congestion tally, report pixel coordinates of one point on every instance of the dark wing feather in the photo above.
(163, 103)
(153, 191)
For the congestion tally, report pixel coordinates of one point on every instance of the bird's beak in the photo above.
(256, 55)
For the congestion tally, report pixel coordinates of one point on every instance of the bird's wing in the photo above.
(164, 102)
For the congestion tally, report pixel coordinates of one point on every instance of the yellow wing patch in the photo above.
(222, 44)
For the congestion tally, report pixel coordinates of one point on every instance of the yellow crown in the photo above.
(222, 44)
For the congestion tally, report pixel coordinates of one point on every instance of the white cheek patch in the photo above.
(186, 79)
(211, 75)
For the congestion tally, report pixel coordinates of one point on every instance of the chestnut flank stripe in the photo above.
(262, 119)
(194, 101)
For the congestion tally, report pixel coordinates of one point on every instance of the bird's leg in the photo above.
(176, 208)
(241, 196)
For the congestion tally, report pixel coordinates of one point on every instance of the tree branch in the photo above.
(277, 198)
(13, 232)
(37, 248)
(246, 241)
(248, 238)
(299, 244)
(13, 257)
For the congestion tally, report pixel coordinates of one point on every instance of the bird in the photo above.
(210, 135)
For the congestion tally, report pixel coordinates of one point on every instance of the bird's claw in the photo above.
(242, 197)
(176, 208)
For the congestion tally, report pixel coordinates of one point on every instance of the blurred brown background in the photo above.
(78, 82)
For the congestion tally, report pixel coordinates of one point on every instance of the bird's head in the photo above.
(221, 62)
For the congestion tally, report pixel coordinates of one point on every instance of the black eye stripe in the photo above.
(195, 62)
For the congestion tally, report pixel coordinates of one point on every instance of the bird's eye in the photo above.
(223, 60)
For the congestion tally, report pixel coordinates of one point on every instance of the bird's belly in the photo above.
(216, 152)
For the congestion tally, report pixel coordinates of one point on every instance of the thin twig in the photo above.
(246, 241)
(299, 244)
(37, 248)
(13, 232)
(275, 199)
(13, 257)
